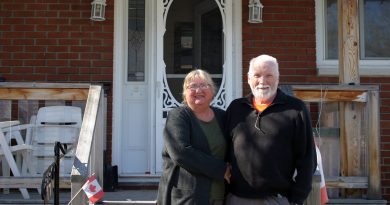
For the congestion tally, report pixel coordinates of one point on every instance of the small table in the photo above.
(6, 151)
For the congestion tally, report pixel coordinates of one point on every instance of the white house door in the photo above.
(133, 121)
(136, 129)
(157, 42)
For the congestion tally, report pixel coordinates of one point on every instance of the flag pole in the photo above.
(70, 202)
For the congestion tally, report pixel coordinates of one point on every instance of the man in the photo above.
(272, 150)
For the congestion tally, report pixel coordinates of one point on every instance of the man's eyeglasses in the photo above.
(194, 87)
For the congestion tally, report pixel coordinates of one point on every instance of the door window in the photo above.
(136, 41)
(193, 39)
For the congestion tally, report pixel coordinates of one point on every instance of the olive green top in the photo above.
(217, 147)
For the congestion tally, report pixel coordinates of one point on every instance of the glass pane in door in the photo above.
(136, 39)
(193, 39)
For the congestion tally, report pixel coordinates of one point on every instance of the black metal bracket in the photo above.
(51, 176)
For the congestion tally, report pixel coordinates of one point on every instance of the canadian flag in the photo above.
(92, 189)
(323, 192)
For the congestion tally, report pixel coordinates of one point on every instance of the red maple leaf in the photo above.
(92, 188)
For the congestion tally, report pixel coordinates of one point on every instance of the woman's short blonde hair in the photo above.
(201, 74)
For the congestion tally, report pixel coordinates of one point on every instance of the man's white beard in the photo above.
(263, 95)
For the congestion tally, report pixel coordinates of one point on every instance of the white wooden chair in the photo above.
(23, 148)
(54, 123)
(15, 156)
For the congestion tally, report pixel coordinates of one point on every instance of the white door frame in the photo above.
(154, 50)
(119, 69)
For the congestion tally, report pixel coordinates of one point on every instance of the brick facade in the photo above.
(54, 41)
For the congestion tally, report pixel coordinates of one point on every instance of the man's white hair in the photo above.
(264, 59)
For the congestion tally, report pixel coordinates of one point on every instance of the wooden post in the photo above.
(374, 180)
(348, 41)
(82, 166)
(96, 161)
(350, 117)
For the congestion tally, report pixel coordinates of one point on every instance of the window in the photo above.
(374, 21)
(193, 39)
(136, 41)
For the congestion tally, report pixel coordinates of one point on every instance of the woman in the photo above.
(194, 149)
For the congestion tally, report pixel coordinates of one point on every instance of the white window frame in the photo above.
(330, 67)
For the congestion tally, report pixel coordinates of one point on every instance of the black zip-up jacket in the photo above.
(189, 167)
(266, 148)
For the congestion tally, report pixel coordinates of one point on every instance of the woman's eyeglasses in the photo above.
(194, 87)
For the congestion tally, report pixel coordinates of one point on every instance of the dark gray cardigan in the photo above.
(188, 167)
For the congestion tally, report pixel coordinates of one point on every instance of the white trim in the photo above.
(160, 68)
(370, 71)
(237, 50)
(150, 65)
(233, 59)
(119, 52)
(320, 31)
(229, 57)
(330, 67)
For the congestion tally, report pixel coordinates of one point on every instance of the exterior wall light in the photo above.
(98, 10)
(255, 11)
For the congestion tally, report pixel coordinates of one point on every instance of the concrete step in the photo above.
(119, 196)
(356, 202)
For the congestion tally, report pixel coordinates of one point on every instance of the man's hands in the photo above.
(228, 173)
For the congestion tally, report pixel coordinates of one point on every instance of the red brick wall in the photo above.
(288, 33)
(55, 41)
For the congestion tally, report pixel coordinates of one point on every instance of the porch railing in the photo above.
(89, 151)
(88, 158)
(315, 195)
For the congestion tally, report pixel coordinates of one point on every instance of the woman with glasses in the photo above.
(194, 151)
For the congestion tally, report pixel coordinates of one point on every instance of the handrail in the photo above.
(89, 150)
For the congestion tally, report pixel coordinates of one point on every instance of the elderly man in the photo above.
(272, 149)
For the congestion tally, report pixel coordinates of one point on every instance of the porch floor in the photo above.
(119, 196)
